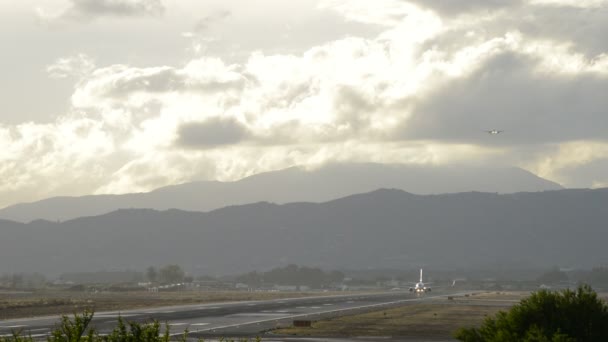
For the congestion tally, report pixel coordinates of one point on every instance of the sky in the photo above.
(119, 96)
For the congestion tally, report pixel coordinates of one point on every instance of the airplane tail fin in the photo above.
(421, 275)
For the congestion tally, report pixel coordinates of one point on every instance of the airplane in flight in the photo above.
(494, 132)
(420, 286)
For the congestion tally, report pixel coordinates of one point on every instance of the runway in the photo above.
(250, 318)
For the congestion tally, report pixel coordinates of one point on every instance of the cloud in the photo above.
(421, 91)
(204, 23)
(589, 175)
(577, 163)
(112, 85)
(73, 152)
(77, 66)
(571, 3)
(211, 133)
(507, 93)
(582, 27)
(456, 7)
(80, 10)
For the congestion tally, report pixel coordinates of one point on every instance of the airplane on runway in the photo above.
(420, 287)
(494, 132)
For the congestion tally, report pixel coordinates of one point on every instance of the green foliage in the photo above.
(77, 330)
(171, 274)
(546, 317)
(151, 274)
(74, 330)
(136, 332)
(553, 276)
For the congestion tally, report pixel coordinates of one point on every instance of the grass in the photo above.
(437, 318)
(57, 302)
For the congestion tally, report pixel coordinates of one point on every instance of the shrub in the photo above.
(546, 316)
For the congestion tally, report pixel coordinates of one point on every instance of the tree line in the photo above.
(293, 275)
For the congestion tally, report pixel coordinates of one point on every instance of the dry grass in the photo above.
(65, 302)
(433, 319)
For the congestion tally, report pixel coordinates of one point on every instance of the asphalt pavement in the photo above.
(251, 318)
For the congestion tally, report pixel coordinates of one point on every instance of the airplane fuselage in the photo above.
(420, 287)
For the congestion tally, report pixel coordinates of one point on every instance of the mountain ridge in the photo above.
(294, 184)
(381, 229)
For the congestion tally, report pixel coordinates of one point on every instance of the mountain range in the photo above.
(290, 185)
(386, 228)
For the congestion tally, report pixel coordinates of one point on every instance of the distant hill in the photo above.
(289, 185)
(380, 229)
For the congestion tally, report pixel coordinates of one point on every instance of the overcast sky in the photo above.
(115, 96)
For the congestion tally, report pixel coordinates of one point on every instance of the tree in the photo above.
(151, 274)
(171, 274)
(17, 281)
(546, 316)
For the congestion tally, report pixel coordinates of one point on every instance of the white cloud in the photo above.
(78, 66)
(577, 163)
(382, 12)
(68, 156)
(421, 91)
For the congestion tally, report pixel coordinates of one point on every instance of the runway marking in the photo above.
(42, 329)
(256, 314)
(315, 307)
(12, 326)
(200, 324)
(327, 304)
(417, 299)
(178, 324)
(301, 307)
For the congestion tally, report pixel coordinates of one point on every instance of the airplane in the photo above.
(420, 287)
(494, 132)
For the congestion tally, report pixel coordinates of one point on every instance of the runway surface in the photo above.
(231, 319)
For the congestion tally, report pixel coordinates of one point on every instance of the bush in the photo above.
(546, 316)
(77, 330)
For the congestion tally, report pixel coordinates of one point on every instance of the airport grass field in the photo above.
(41, 303)
(436, 318)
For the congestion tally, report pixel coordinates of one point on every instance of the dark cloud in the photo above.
(585, 28)
(507, 94)
(165, 80)
(211, 133)
(353, 108)
(455, 7)
(82, 9)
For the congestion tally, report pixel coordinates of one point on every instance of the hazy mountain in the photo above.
(381, 229)
(290, 185)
